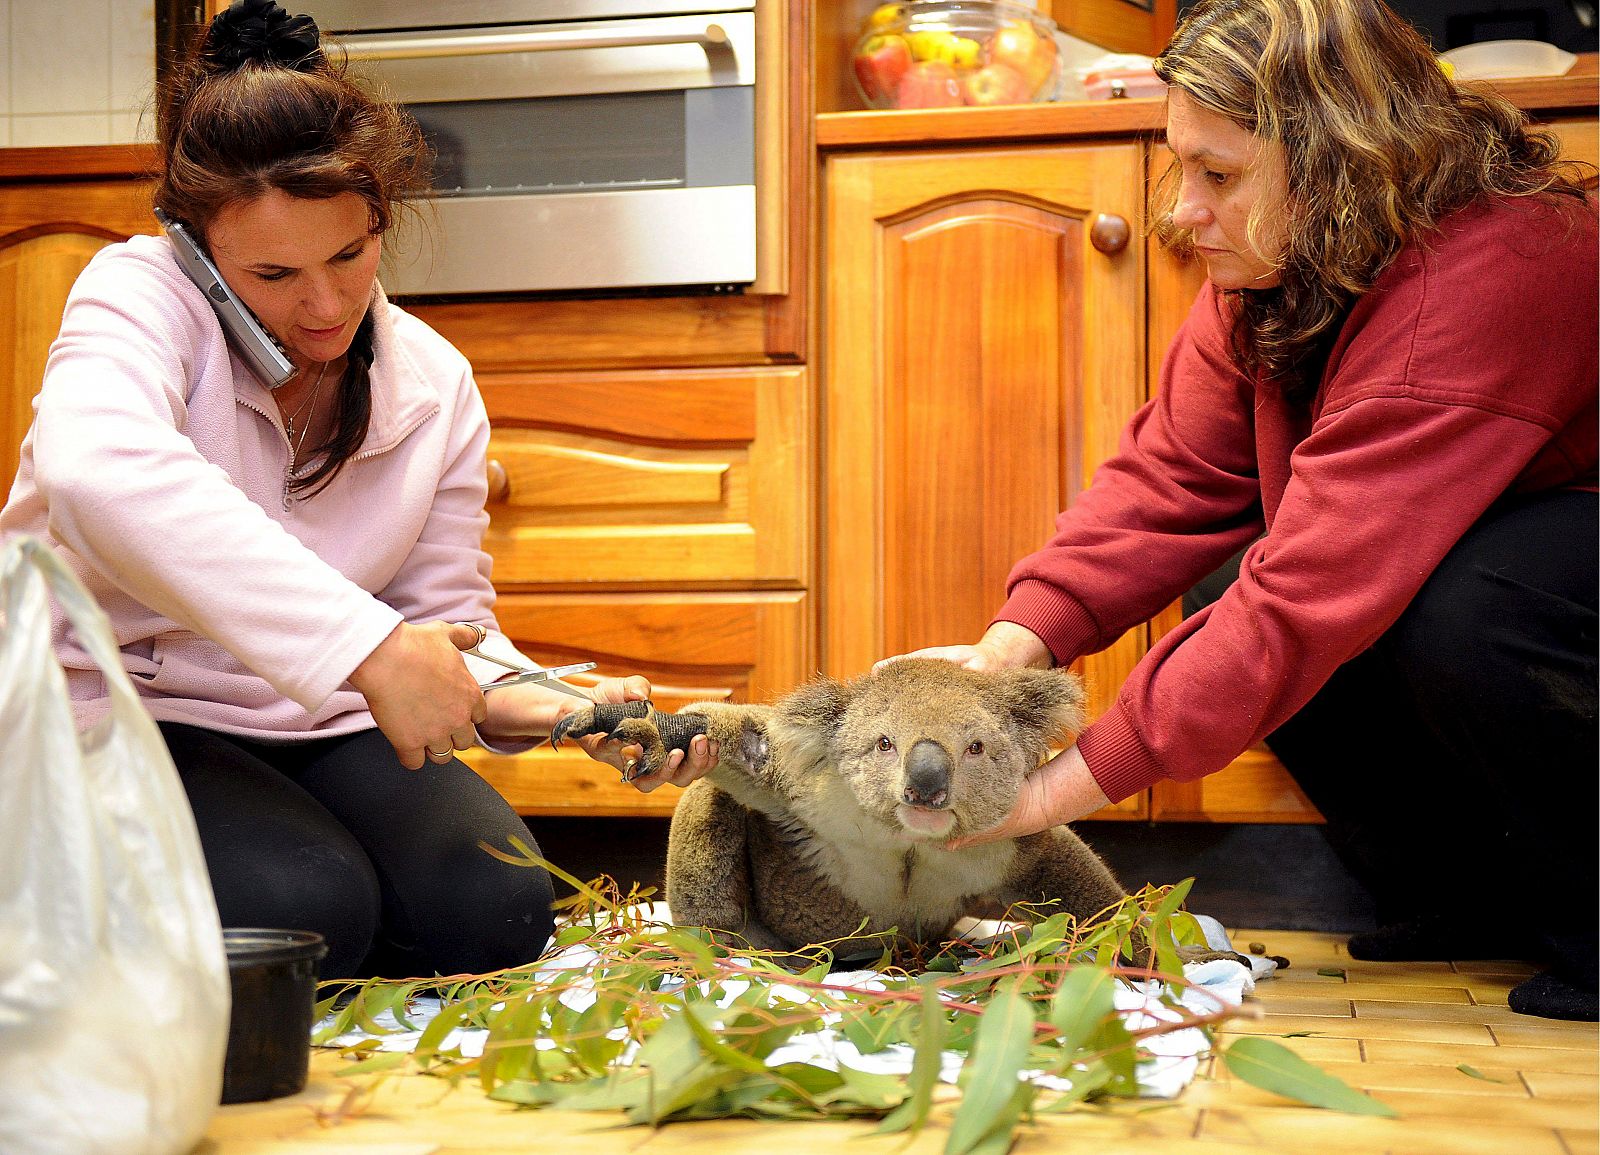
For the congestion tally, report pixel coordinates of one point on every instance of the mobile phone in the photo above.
(247, 335)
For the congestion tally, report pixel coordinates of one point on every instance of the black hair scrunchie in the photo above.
(261, 30)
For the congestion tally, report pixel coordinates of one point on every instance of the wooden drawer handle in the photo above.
(1109, 233)
(499, 483)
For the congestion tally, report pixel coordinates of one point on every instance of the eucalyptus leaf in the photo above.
(1081, 1003)
(927, 1065)
(1274, 1067)
(1004, 1036)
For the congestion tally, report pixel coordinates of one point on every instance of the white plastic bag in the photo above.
(113, 976)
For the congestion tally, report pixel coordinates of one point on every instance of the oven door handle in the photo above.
(714, 39)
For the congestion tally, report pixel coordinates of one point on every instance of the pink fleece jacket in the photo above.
(155, 466)
(1466, 374)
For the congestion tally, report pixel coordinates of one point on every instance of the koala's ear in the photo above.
(818, 706)
(1046, 704)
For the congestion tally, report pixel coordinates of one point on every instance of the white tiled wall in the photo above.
(76, 71)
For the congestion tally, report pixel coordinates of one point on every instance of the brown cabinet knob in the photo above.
(1109, 233)
(499, 482)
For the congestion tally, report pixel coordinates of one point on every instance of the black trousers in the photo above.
(337, 837)
(1456, 759)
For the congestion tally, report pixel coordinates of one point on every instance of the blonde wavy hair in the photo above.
(1378, 145)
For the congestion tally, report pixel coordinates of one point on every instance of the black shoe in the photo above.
(1435, 938)
(1550, 997)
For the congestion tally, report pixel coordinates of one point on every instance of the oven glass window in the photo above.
(632, 140)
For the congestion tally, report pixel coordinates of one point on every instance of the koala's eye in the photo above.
(975, 749)
(884, 744)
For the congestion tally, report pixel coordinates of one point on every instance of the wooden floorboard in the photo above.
(1400, 1031)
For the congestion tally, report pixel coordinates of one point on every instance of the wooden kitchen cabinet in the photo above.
(983, 347)
(678, 478)
(656, 523)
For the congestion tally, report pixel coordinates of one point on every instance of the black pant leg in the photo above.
(1499, 650)
(448, 906)
(277, 858)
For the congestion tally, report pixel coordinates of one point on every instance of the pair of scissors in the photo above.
(551, 677)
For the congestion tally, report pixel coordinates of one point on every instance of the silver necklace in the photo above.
(307, 409)
(311, 399)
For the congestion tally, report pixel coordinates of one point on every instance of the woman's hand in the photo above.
(530, 710)
(1062, 790)
(420, 692)
(1004, 645)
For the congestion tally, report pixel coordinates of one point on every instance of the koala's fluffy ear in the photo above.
(1044, 705)
(819, 705)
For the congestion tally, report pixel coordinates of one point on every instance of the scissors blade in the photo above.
(550, 678)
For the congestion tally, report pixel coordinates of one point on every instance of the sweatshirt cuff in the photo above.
(1060, 620)
(1117, 757)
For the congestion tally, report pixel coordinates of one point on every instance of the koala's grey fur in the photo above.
(828, 812)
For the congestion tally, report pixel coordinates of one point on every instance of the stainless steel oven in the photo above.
(581, 144)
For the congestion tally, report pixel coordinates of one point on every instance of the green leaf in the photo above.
(1274, 1067)
(1004, 1036)
(998, 1139)
(878, 1091)
(1331, 972)
(1477, 1074)
(386, 1061)
(872, 1029)
(1081, 1004)
(927, 1065)
(1085, 1083)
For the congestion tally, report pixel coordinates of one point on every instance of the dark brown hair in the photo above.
(260, 105)
(1379, 145)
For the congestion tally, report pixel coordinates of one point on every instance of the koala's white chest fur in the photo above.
(906, 880)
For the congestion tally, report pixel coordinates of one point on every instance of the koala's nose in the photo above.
(927, 775)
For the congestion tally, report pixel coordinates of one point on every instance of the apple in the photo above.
(880, 65)
(1018, 46)
(928, 84)
(995, 84)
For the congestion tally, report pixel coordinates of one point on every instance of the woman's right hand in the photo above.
(1004, 645)
(420, 692)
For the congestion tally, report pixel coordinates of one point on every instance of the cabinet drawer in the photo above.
(739, 647)
(664, 478)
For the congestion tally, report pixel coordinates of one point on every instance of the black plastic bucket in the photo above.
(274, 977)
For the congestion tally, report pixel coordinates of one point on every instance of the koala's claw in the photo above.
(633, 723)
(601, 718)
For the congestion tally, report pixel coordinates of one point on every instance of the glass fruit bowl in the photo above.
(948, 53)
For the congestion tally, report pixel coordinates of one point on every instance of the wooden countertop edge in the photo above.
(77, 162)
(1576, 92)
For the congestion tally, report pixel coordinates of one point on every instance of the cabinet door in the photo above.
(649, 479)
(733, 647)
(982, 356)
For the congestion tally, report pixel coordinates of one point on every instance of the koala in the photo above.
(828, 814)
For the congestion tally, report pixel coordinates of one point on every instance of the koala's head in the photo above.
(936, 750)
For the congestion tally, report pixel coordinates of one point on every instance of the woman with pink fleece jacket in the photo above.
(282, 568)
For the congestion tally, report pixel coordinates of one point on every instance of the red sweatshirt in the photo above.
(1468, 372)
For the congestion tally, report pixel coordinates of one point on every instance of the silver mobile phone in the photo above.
(247, 335)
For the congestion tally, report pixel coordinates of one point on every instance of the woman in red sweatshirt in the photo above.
(1385, 397)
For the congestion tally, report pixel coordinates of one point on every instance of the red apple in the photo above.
(928, 84)
(995, 84)
(880, 65)
(1018, 46)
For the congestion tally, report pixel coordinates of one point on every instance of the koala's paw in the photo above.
(657, 734)
(1204, 954)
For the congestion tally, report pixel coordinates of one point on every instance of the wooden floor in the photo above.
(1400, 1031)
